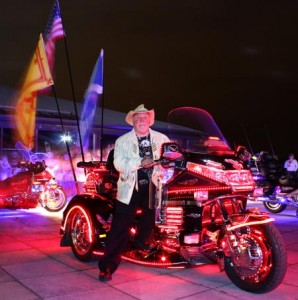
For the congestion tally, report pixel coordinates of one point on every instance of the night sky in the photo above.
(236, 59)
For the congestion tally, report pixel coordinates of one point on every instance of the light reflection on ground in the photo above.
(23, 213)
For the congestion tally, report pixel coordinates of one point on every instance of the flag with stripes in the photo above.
(53, 32)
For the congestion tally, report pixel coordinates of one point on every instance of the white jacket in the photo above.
(127, 161)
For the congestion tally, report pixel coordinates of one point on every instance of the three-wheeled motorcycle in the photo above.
(201, 210)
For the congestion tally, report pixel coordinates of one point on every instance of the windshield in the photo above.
(196, 131)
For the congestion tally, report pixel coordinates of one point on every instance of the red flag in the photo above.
(53, 32)
(37, 77)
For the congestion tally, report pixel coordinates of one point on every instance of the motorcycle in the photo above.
(276, 189)
(33, 185)
(201, 210)
(277, 197)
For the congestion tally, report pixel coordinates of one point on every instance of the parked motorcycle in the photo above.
(279, 196)
(276, 189)
(201, 210)
(32, 186)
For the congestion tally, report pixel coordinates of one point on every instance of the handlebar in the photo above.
(36, 167)
(92, 165)
(166, 163)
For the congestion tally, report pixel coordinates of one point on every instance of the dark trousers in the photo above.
(292, 176)
(122, 222)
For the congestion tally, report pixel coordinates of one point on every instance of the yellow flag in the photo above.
(37, 78)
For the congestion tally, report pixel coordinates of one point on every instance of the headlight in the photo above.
(36, 188)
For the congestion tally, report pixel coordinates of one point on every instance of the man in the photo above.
(291, 166)
(134, 154)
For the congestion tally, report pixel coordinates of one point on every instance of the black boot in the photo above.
(105, 275)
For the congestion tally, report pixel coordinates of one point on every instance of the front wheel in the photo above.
(260, 262)
(55, 199)
(274, 207)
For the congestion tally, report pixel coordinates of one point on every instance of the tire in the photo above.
(81, 234)
(55, 199)
(274, 208)
(261, 264)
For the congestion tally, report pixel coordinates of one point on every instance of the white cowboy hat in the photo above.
(140, 109)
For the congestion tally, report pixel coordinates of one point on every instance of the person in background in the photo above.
(291, 166)
(14, 157)
(244, 156)
(134, 155)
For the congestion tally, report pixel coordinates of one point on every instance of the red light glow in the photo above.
(162, 264)
(163, 258)
(82, 210)
(250, 224)
(238, 180)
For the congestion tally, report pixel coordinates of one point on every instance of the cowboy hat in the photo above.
(139, 109)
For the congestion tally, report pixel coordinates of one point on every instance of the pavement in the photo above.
(34, 266)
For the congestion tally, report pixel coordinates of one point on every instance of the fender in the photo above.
(92, 204)
(252, 217)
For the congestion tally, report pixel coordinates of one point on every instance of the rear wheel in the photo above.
(260, 262)
(274, 208)
(81, 234)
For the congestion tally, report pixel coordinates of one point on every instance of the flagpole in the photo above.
(72, 89)
(247, 139)
(66, 142)
(101, 130)
(74, 100)
(102, 110)
(267, 134)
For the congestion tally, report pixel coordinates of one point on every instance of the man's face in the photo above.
(141, 122)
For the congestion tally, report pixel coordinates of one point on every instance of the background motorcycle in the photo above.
(277, 190)
(281, 195)
(32, 186)
(201, 211)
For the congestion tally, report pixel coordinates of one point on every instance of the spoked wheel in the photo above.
(81, 235)
(55, 199)
(260, 262)
(274, 208)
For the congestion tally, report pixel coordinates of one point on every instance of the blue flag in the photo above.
(90, 100)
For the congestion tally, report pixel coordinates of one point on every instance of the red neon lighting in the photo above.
(174, 215)
(198, 189)
(250, 223)
(86, 217)
(163, 264)
(168, 227)
(174, 209)
(99, 253)
(201, 195)
(239, 180)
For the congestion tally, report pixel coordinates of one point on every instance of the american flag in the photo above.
(54, 31)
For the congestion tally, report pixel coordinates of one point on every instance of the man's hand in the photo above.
(147, 162)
